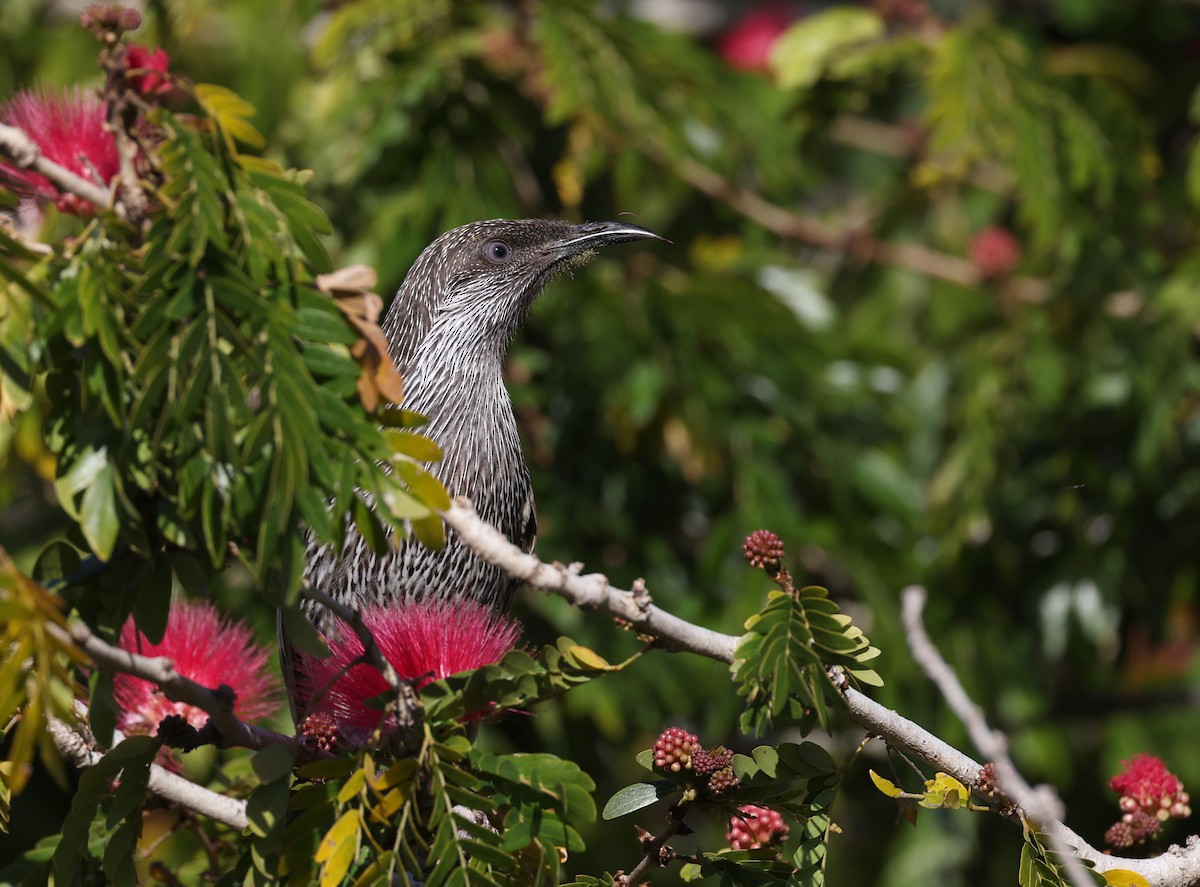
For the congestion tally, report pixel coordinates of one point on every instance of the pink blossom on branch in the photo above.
(211, 650)
(149, 73)
(69, 129)
(423, 642)
(1150, 795)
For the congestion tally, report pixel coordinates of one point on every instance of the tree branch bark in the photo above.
(178, 688)
(1177, 867)
(164, 783)
(17, 146)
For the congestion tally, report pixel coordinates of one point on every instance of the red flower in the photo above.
(753, 827)
(69, 129)
(423, 641)
(995, 252)
(748, 43)
(148, 71)
(207, 648)
(1147, 785)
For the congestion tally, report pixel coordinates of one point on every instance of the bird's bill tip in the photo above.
(593, 234)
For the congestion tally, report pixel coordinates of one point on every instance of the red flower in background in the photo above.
(68, 128)
(209, 649)
(747, 44)
(423, 641)
(148, 71)
(995, 252)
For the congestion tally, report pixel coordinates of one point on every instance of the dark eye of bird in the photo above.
(497, 252)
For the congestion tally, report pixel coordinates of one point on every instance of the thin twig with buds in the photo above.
(588, 592)
(1178, 867)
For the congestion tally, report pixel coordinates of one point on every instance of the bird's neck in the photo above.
(458, 381)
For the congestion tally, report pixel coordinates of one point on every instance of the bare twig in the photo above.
(121, 113)
(409, 705)
(178, 688)
(164, 783)
(17, 146)
(588, 592)
(1178, 867)
(654, 844)
(856, 241)
(34, 247)
(1041, 805)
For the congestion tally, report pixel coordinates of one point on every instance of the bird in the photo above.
(448, 331)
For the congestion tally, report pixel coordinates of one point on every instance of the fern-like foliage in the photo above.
(782, 663)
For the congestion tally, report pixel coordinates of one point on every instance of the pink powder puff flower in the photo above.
(211, 650)
(68, 128)
(423, 641)
(148, 71)
(1147, 785)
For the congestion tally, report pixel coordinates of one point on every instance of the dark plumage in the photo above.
(449, 328)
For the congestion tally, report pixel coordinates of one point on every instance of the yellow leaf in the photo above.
(1125, 878)
(884, 785)
(230, 111)
(344, 831)
(945, 791)
(352, 786)
(588, 657)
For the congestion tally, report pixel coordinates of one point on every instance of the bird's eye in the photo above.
(497, 252)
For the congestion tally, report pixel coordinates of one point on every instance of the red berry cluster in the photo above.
(985, 782)
(678, 750)
(995, 252)
(673, 749)
(706, 761)
(1150, 795)
(763, 550)
(322, 730)
(753, 827)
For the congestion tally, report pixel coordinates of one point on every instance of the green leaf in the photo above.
(427, 487)
(133, 756)
(635, 797)
(415, 446)
(98, 513)
(803, 53)
(272, 763)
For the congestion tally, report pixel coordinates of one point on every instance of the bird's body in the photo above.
(449, 328)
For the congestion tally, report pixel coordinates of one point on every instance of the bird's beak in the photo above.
(591, 235)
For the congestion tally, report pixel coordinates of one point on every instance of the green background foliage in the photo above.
(1027, 452)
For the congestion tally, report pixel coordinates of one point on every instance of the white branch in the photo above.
(588, 592)
(1178, 867)
(17, 146)
(1040, 804)
(163, 783)
(178, 688)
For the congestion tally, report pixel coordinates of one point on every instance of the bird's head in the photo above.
(483, 276)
